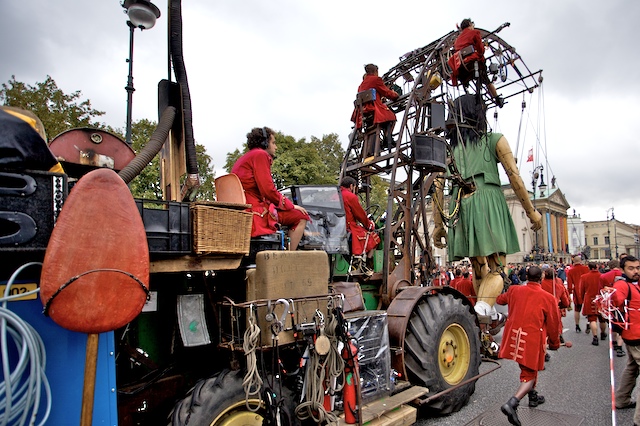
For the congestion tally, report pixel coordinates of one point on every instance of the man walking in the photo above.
(533, 317)
(628, 292)
(573, 283)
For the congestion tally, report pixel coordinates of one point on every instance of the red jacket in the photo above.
(632, 335)
(533, 316)
(470, 37)
(607, 279)
(560, 293)
(465, 286)
(356, 216)
(381, 112)
(589, 288)
(573, 281)
(254, 171)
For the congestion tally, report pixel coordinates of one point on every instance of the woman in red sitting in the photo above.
(269, 206)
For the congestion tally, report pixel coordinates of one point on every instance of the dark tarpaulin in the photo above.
(21, 147)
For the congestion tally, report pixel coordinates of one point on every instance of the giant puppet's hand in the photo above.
(536, 219)
(439, 233)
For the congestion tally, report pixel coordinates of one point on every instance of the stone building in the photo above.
(607, 239)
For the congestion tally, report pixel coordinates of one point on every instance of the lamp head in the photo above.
(142, 13)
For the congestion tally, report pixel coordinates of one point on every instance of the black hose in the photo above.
(181, 75)
(144, 157)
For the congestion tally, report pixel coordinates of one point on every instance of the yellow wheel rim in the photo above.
(238, 415)
(454, 354)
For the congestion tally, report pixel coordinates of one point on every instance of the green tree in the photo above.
(57, 111)
(60, 112)
(299, 162)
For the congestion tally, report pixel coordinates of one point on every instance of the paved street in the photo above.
(575, 381)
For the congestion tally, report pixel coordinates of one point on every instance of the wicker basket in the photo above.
(221, 228)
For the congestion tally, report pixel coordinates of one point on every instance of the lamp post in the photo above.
(142, 14)
(535, 174)
(609, 232)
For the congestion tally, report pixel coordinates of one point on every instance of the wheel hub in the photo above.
(454, 354)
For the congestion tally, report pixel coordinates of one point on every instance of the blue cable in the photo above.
(20, 394)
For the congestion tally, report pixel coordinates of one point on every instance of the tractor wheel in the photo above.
(442, 349)
(220, 401)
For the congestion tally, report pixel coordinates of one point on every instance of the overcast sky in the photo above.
(295, 66)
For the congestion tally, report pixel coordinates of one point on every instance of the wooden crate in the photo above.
(221, 228)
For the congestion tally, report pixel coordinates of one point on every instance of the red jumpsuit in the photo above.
(356, 216)
(381, 112)
(269, 206)
(573, 282)
(468, 37)
(589, 288)
(465, 286)
(533, 316)
(560, 293)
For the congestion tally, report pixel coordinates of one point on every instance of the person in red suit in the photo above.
(554, 286)
(533, 317)
(631, 334)
(456, 279)
(363, 236)
(573, 282)
(269, 206)
(381, 113)
(465, 286)
(468, 50)
(590, 287)
(606, 280)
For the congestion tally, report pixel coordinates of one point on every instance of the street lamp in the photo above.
(142, 14)
(535, 174)
(609, 232)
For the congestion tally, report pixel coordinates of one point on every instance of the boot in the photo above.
(535, 399)
(578, 330)
(509, 410)
(595, 341)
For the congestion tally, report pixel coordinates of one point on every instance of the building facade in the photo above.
(607, 239)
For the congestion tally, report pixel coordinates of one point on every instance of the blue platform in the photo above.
(65, 352)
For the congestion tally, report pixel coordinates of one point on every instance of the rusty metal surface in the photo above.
(91, 147)
(527, 416)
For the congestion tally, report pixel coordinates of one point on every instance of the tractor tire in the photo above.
(442, 349)
(220, 401)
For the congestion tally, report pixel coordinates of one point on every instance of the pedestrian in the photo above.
(465, 286)
(589, 288)
(533, 318)
(458, 277)
(606, 280)
(554, 286)
(573, 281)
(628, 292)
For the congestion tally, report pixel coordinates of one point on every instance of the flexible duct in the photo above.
(152, 148)
(181, 75)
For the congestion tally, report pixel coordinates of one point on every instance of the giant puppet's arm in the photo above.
(503, 151)
(439, 233)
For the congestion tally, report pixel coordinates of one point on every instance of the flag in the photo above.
(530, 155)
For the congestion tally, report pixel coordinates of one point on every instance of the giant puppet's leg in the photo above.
(490, 286)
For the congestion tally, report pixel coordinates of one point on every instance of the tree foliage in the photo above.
(57, 110)
(299, 162)
(60, 112)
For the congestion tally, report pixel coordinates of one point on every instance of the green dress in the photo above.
(484, 225)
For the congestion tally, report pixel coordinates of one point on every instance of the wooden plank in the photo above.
(192, 263)
(402, 416)
(379, 407)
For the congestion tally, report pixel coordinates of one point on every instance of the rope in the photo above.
(252, 381)
(22, 387)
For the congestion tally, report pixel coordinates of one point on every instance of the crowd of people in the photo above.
(539, 295)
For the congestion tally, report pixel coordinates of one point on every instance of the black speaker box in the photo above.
(30, 203)
(429, 153)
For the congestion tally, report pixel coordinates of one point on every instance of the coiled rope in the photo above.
(252, 382)
(21, 389)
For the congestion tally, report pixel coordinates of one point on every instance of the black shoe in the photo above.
(595, 342)
(547, 357)
(578, 330)
(603, 336)
(620, 352)
(561, 339)
(587, 329)
(535, 399)
(632, 404)
(509, 410)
